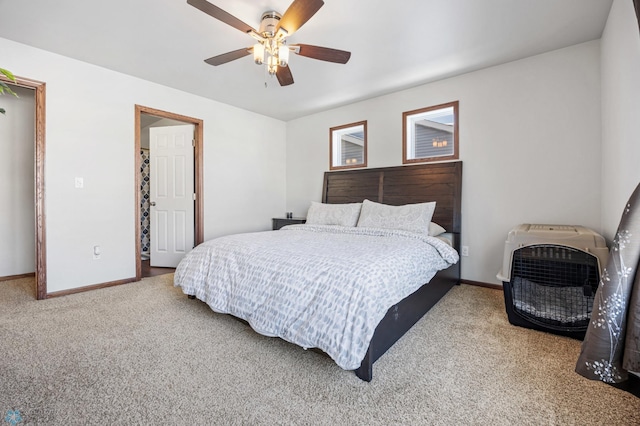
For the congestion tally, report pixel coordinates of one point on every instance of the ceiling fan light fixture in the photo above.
(283, 55)
(272, 65)
(258, 53)
(270, 48)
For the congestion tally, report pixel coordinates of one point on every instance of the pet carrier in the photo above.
(550, 275)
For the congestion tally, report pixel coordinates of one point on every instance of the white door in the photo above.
(172, 188)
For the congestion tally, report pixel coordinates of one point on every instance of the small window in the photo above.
(430, 134)
(348, 146)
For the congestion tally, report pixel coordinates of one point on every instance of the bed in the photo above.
(312, 262)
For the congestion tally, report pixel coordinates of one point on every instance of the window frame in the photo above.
(405, 143)
(332, 149)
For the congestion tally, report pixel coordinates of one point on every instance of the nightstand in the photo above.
(279, 222)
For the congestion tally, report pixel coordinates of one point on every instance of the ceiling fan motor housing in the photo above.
(268, 23)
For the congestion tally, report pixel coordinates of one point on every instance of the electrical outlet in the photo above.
(464, 251)
(79, 182)
(96, 252)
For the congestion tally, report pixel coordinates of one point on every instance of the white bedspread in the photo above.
(315, 286)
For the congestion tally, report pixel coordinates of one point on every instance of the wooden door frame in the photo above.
(40, 218)
(198, 187)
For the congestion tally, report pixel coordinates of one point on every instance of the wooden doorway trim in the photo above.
(40, 224)
(199, 207)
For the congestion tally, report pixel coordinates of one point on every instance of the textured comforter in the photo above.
(315, 286)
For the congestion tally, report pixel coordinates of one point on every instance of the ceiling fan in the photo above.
(271, 38)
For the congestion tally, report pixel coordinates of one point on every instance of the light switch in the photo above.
(79, 182)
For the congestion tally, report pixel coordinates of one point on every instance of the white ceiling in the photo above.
(394, 44)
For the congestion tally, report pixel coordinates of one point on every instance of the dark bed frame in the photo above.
(442, 183)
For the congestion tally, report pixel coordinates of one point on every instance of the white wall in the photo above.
(90, 134)
(620, 68)
(529, 130)
(529, 139)
(17, 205)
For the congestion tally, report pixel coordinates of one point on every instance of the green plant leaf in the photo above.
(8, 74)
(4, 88)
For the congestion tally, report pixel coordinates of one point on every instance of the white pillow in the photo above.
(435, 229)
(333, 214)
(410, 217)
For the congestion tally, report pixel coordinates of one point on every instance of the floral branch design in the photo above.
(611, 308)
(13, 417)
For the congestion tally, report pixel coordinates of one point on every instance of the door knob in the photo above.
(153, 203)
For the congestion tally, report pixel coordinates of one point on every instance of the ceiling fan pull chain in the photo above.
(264, 73)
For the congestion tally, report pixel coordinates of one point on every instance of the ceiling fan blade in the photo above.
(229, 56)
(284, 75)
(221, 15)
(299, 12)
(323, 53)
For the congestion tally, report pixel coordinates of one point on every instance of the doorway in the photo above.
(38, 181)
(146, 118)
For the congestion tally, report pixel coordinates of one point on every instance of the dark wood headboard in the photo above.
(440, 182)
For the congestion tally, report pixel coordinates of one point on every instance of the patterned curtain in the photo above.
(611, 347)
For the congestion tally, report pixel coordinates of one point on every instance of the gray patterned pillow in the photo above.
(435, 229)
(333, 214)
(410, 217)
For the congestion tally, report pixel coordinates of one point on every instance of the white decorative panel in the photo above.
(161, 176)
(180, 141)
(180, 224)
(160, 237)
(180, 176)
(163, 141)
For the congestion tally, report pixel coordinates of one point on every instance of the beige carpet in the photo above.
(143, 353)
